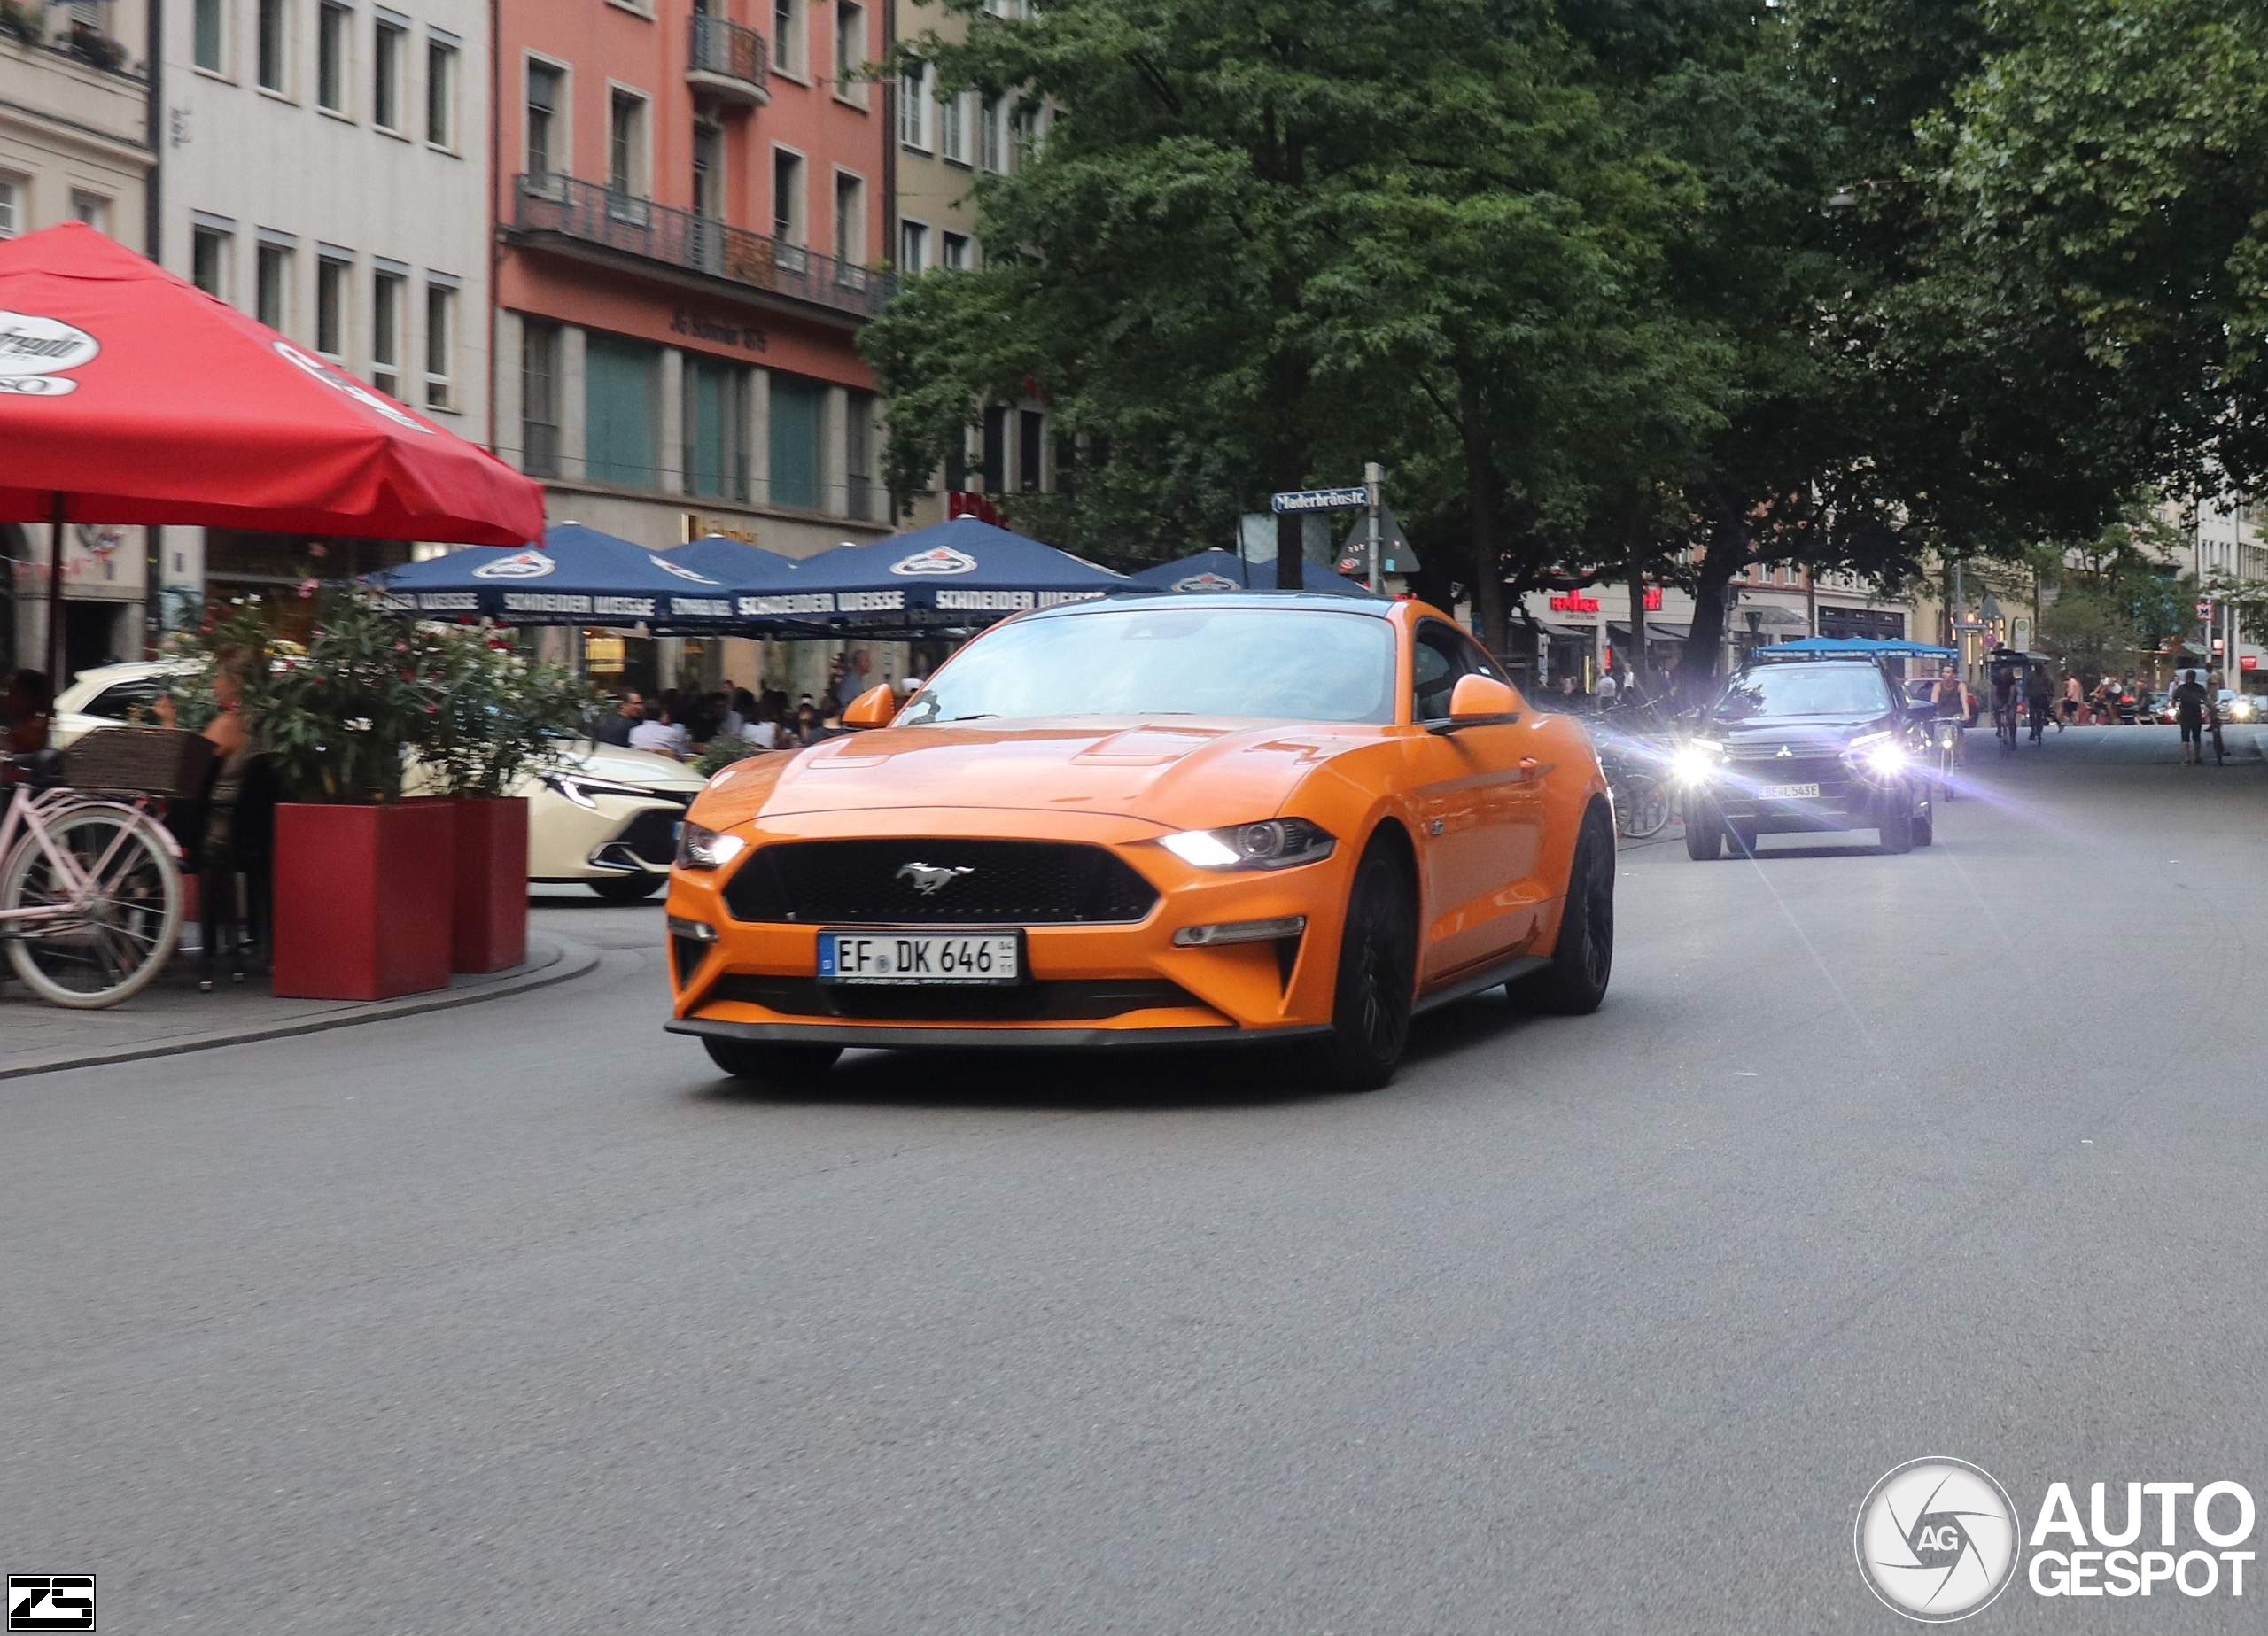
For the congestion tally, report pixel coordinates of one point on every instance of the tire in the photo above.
(1704, 834)
(1897, 826)
(134, 929)
(1377, 987)
(628, 889)
(1925, 827)
(1583, 961)
(758, 1064)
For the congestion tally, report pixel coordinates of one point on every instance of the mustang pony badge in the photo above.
(931, 879)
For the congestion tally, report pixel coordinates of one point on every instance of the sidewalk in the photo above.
(172, 1016)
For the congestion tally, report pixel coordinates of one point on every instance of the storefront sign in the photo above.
(1579, 602)
(747, 336)
(693, 525)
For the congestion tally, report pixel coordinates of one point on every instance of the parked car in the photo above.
(607, 819)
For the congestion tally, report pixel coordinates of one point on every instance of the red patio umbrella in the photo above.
(129, 396)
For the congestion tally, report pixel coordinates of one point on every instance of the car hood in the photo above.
(640, 768)
(1798, 732)
(1182, 773)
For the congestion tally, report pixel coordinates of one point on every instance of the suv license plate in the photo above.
(924, 958)
(1788, 791)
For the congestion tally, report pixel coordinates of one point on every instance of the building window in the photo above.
(953, 116)
(334, 30)
(912, 247)
(274, 54)
(798, 415)
(716, 429)
(788, 54)
(626, 144)
(996, 450)
(441, 92)
(539, 399)
(206, 30)
(708, 170)
(440, 345)
(953, 255)
(390, 47)
(389, 300)
(788, 221)
(858, 458)
(272, 287)
(620, 419)
(917, 106)
(849, 218)
(209, 259)
(91, 208)
(546, 100)
(850, 51)
(987, 136)
(1023, 134)
(1031, 443)
(331, 275)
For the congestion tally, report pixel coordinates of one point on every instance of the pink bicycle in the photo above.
(91, 893)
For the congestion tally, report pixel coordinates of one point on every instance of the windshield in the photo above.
(1778, 690)
(1268, 663)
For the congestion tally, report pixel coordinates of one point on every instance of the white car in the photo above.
(608, 818)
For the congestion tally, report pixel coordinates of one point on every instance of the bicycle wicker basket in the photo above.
(148, 761)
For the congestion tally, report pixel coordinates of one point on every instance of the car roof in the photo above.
(1326, 601)
(1763, 656)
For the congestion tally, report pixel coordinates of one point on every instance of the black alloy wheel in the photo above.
(629, 889)
(1377, 974)
(784, 1067)
(1575, 982)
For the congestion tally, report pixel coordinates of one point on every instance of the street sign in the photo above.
(1319, 500)
(2204, 610)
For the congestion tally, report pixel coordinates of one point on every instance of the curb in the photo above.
(550, 960)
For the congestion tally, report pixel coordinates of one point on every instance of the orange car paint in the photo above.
(1490, 813)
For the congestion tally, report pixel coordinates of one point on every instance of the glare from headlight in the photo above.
(1886, 759)
(1203, 848)
(1695, 764)
(699, 847)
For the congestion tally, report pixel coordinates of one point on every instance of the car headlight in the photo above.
(1271, 843)
(579, 789)
(1880, 753)
(1696, 761)
(699, 847)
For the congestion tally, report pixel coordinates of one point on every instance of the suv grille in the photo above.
(878, 883)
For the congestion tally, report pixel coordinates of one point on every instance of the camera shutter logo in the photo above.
(37, 355)
(51, 1601)
(1937, 1538)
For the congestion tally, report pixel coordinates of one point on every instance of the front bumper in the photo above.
(614, 837)
(1846, 799)
(1086, 984)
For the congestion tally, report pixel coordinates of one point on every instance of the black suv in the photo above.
(1816, 743)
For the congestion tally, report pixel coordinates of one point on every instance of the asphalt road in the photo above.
(517, 1319)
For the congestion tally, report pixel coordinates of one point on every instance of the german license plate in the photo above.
(921, 957)
(1788, 791)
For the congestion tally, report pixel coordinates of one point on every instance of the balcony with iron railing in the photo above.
(585, 218)
(728, 62)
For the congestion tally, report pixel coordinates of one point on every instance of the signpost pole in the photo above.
(1373, 475)
(1291, 551)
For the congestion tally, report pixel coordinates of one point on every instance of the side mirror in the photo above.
(874, 708)
(1480, 701)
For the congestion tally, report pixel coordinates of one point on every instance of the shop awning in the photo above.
(576, 576)
(1657, 631)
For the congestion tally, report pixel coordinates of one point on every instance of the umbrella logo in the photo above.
(683, 572)
(353, 388)
(36, 352)
(934, 562)
(1207, 582)
(519, 565)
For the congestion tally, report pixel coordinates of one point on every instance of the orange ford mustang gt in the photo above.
(1203, 818)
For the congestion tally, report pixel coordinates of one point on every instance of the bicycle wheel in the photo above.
(1645, 810)
(109, 947)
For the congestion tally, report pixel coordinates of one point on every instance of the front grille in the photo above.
(974, 883)
(1032, 1002)
(651, 836)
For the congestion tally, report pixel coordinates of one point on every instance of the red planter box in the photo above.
(490, 931)
(363, 899)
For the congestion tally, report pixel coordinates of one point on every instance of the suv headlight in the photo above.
(1696, 761)
(1881, 754)
(699, 847)
(1271, 843)
(579, 789)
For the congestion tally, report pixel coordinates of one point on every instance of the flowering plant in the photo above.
(501, 717)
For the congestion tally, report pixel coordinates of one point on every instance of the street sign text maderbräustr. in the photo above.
(1320, 499)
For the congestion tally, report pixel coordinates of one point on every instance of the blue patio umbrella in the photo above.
(958, 573)
(575, 576)
(765, 586)
(1225, 570)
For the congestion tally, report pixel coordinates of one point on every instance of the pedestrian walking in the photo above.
(2075, 699)
(1603, 695)
(2190, 702)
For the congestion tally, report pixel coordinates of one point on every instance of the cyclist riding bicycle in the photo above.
(2004, 703)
